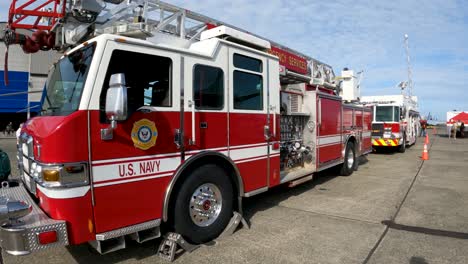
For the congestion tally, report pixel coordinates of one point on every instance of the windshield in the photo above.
(66, 81)
(384, 113)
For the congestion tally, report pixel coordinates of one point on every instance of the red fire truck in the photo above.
(396, 122)
(148, 122)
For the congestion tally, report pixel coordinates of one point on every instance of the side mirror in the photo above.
(116, 99)
(116, 104)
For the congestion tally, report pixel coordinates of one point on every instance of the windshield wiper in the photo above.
(80, 73)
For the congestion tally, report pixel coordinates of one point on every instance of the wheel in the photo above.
(356, 163)
(402, 147)
(350, 161)
(203, 206)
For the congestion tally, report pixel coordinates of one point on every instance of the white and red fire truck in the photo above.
(157, 121)
(396, 120)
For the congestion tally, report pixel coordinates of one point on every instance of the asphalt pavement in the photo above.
(395, 209)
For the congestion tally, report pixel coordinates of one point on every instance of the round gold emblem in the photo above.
(144, 134)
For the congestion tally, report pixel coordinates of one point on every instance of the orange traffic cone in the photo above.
(426, 141)
(425, 154)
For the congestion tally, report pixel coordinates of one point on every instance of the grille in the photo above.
(294, 103)
(26, 159)
(377, 130)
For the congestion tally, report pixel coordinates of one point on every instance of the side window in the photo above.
(208, 87)
(247, 63)
(248, 83)
(147, 86)
(396, 114)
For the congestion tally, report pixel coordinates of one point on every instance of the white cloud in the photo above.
(364, 34)
(368, 35)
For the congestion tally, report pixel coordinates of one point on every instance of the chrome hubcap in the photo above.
(205, 204)
(350, 159)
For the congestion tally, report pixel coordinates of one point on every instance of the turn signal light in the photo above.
(47, 237)
(74, 169)
(51, 175)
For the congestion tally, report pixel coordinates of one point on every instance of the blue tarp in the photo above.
(18, 82)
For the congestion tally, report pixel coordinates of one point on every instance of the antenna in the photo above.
(410, 73)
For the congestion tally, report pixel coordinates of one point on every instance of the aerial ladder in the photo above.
(63, 24)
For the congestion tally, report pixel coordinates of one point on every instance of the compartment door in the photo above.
(329, 133)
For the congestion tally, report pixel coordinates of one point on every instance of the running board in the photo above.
(115, 240)
(108, 246)
(300, 181)
(146, 235)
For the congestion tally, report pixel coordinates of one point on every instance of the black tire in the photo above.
(356, 163)
(183, 220)
(347, 168)
(402, 147)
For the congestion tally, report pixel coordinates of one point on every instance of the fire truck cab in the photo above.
(395, 122)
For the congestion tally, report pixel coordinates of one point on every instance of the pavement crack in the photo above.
(387, 227)
(329, 215)
(425, 230)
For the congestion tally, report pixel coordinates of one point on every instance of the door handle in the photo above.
(192, 105)
(319, 110)
(273, 109)
(266, 132)
(178, 138)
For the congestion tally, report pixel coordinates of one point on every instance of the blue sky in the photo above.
(365, 35)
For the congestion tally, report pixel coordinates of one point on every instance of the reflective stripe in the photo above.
(66, 193)
(328, 140)
(385, 142)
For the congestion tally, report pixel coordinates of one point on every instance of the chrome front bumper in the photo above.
(21, 237)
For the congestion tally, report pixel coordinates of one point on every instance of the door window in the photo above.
(248, 83)
(247, 63)
(208, 87)
(147, 85)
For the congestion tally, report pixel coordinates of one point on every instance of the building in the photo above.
(27, 74)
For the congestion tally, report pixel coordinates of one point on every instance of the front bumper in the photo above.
(386, 142)
(21, 237)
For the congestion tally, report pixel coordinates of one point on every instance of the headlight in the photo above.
(36, 170)
(67, 175)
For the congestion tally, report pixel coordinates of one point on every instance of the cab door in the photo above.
(206, 118)
(132, 165)
(249, 127)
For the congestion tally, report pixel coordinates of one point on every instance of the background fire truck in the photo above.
(395, 122)
(159, 116)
